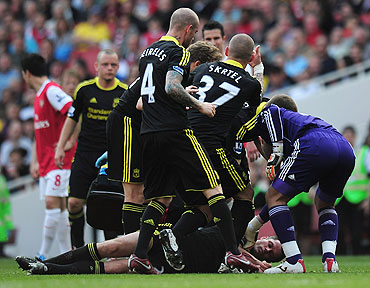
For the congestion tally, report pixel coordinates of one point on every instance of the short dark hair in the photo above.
(35, 64)
(350, 129)
(211, 25)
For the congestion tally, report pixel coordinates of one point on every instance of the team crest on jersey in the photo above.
(178, 69)
(41, 103)
(115, 102)
(238, 147)
(136, 173)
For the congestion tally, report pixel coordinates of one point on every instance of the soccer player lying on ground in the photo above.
(314, 151)
(203, 252)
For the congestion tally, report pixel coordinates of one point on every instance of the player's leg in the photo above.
(157, 189)
(64, 229)
(125, 165)
(83, 172)
(339, 162)
(54, 187)
(51, 221)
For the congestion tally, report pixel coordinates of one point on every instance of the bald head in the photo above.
(241, 47)
(182, 18)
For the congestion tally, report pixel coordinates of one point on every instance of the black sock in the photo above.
(151, 217)
(131, 215)
(87, 252)
(77, 221)
(80, 267)
(222, 217)
(190, 220)
(242, 212)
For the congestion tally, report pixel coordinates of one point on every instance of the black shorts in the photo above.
(83, 172)
(233, 177)
(171, 157)
(124, 149)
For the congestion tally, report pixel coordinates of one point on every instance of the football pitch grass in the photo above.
(355, 273)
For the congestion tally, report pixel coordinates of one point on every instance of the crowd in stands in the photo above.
(300, 39)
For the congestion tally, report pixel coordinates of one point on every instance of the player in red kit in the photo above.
(51, 106)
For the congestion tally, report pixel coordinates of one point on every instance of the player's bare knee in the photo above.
(134, 193)
(320, 204)
(213, 191)
(246, 194)
(274, 197)
(75, 205)
(165, 200)
(52, 202)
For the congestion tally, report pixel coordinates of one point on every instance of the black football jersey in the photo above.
(127, 102)
(160, 112)
(94, 103)
(228, 86)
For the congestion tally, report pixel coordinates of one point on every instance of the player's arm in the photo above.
(73, 139)
(257, 66)
(34, 166)
(67, 131)
(176, 91)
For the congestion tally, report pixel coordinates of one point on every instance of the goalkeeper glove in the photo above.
(274, 161)
(102, 160)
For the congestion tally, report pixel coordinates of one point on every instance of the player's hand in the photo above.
(273, 165)
(192, 89)
(252, 152)
(207, 109)
(256, 57)
(34, 170)
(101, 160)
(59, 157)
(69, 145)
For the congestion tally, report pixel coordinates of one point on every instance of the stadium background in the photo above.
(317, 51)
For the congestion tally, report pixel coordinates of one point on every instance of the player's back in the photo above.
(161, 112)
(282, 123)
(228, 86)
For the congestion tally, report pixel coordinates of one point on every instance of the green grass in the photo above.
(355, 273)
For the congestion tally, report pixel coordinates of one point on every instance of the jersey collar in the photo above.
(116, 81)
(169, 38)
(234, 63)
(46, 82)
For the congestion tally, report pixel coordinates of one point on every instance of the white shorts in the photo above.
(55, 183)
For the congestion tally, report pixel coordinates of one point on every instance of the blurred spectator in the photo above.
(17, 49)
(277, 79)
(111, 11)
(16, 167)
(163, 13)
(15, 139)
(272, 46)
(295, 63)
(70, 80)
(91, 33)
(39, 31)
(80, 66)
(338, 46)
(311, 28)
(56, 71)
(328, 64)
(62, 41)
(227, 12)
(154, 33)
(356, 53)
(30, 10)
(47, 51)
(124, 29)
(7, 71)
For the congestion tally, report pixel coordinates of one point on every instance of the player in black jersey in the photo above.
(171, 151)
(228, 86)
(93, 101)
(124, 143)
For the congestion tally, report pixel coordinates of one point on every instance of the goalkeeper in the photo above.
(309, 150)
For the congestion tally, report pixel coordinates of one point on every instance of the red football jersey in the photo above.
(51, 106)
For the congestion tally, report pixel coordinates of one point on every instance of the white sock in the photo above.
(64, 232)
(49, 230)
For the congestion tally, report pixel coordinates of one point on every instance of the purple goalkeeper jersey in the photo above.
(275, 124)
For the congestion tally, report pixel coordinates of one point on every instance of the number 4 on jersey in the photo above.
(147, 87)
